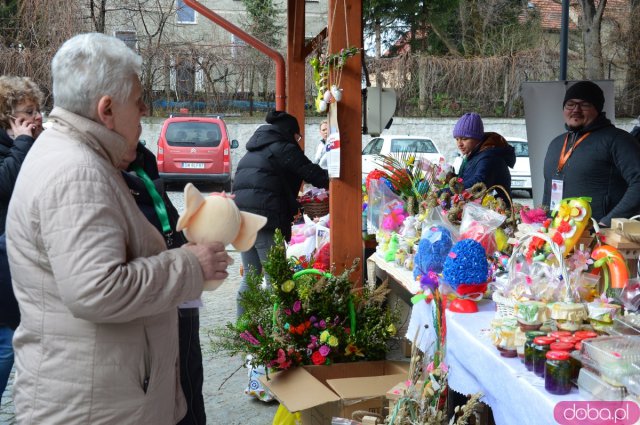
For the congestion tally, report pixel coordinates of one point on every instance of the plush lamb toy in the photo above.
(216, 218)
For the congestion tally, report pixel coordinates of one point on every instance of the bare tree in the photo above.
(633, 61)
(591, 25)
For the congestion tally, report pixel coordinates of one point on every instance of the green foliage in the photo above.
(8, 21)
(263, 21)
(307, 318)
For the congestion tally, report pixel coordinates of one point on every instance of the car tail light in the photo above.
(160, 152)
(225, 154)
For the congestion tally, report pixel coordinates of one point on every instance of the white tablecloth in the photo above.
(516, 396)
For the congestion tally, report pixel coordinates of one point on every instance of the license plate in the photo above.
(192, 165)
(517, 183)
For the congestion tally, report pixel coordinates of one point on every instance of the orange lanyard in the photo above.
(564, 155)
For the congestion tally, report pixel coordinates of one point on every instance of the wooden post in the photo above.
(346, 191)
(296, 62)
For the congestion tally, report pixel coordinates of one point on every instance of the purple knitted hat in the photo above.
(470, 126)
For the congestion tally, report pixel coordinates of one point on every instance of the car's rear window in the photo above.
(205, 134)
(413, 145)
(521, 148)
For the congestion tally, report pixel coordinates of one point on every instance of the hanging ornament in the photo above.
(336, 92)
(327, 96)
(322, 106)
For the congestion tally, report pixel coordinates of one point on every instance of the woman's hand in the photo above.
(24, 126)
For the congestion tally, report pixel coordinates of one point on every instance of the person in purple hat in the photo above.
(486, 157)
(593, 158)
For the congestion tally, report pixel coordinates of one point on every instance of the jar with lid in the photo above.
(528, 348)
(558, 334)
(562, 346)
(540, 348)
(557, 372)
(582, 335)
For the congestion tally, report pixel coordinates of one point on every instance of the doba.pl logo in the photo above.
(596, 412)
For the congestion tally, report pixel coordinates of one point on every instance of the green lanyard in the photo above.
(158, 203)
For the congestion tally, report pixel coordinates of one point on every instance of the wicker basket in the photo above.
(316, 209)
(504, 306)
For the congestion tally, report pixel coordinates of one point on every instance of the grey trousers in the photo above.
(253, 259)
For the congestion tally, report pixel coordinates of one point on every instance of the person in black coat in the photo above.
(20, 124)
(593, 158)
(486, 157)
(267, 182)
(191, 369)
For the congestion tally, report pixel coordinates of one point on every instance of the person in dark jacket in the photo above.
(593, 158)
(20, 124)
(191, 369)
(486, 157)
(267, 182)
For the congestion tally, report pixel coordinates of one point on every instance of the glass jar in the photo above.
(528, 348)
(570, 339)
(582, 335)
(540, 348)
(558, 334)
(562, 346)
(557, 372)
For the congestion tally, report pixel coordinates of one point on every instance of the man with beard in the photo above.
(593, 158)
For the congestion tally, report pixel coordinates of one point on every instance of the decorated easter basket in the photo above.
(316, 208)
(505, 305)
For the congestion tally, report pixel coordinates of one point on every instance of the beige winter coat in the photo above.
(97, 288)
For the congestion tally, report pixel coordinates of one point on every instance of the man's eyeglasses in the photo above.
(570, 105)
(298, 138)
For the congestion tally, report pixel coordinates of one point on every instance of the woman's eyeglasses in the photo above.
(31, 113)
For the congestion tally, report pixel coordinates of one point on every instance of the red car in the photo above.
(195, 149)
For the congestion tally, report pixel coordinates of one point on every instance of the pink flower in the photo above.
(324, 350)
(297, 306)
(532, 215)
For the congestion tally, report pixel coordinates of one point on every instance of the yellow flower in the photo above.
(288, 286)
(564, 210)
(333, 341)
(391, 329)
(324, 336)
(352, 350)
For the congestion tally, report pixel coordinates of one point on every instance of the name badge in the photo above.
(556, 193)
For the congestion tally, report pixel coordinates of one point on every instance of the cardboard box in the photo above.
(322, 392)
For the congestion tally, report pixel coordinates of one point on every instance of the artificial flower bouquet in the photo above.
(307, 317)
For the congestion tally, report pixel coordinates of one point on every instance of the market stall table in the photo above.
(404, 286)
(515, 395)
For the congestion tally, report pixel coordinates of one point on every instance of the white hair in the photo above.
(90, 66)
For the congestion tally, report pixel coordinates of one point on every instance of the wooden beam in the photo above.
(295, 62)
(312, 44)
(345, 30)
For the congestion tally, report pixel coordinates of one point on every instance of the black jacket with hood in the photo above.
(489, 163)
(605, 166)
(269, 176)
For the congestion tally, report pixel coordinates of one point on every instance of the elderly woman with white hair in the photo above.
(97, 288)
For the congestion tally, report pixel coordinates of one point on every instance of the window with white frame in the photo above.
(129, 38)
(237, 44)
(184, 14)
